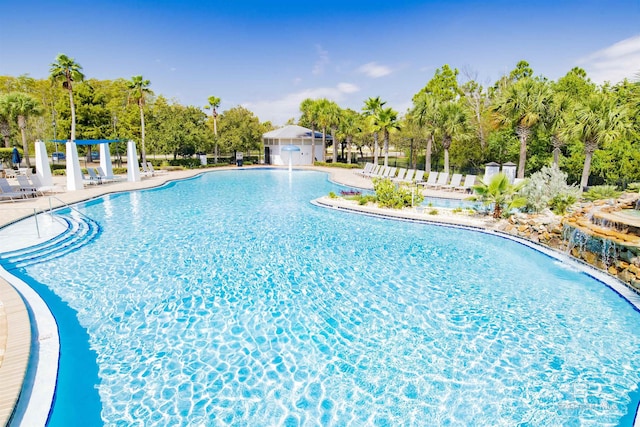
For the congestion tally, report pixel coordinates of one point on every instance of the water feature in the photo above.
(230, 299)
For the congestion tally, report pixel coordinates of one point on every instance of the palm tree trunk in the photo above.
(386, 148)
(446, 160)
(523, 134)
(324, 143)
(6, 132)
(73, 114)
(143, 152)
(375, 148)
(427, 157)
(313, 143)
(584, 181)
(349, 150)
(22, 124)
(334, 158)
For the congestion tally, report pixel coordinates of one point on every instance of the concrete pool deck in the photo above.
(15, 328)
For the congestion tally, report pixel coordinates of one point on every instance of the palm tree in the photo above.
(324, 116)
(69, 71)
(522, 104)
(501, 194)
(20, 107)
(557, 115)
(370, 109)
(386, 120)
(598, 120)
(350, 126)
(309, 110)
(139, 88)
(425, 112)
(333, 114)
(214, 103)
(452, 123)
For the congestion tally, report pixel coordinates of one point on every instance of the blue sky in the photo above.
(270, 55)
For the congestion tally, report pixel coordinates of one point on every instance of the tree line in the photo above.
(455, 122)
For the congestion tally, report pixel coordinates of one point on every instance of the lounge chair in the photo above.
(45, 188)
(419, 178)
(145, 169)
(431, 180)
(455, 182)
(373, 171)
(93, 178)
(26, 186)
(402, 173)
(391, 173)
(8, 191)
(367, 168)
(10, 173)
(106, 178)
(153, 171)
(443, 178)
(469, 181)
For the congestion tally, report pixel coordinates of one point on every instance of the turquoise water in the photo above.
(229, 299)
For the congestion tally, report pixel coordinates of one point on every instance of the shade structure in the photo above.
(42, 164)
(309, 144)
(74, 174)
(133, 169)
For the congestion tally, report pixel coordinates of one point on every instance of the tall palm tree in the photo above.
(386, 120)
(350, 126)
(371, 107)
(324, 115)
(68, 71)
(333, 114)
(452, 123)
(556, 121)
(138, 89)
(214, 103)
(20, 107)
(598, 120)
(522, 104)
(309, 110)
(425, 111)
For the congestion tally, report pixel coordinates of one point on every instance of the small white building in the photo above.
(292, 135)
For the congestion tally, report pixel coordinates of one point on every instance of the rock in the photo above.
(588, 256)
(612, 270)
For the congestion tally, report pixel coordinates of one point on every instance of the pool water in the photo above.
(229, 299)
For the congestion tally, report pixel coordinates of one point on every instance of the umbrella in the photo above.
(15, 156)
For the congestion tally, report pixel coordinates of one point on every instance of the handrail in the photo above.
(68, 206)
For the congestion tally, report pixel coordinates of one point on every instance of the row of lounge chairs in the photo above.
(436, 180)
(27, 187)
(440, 181)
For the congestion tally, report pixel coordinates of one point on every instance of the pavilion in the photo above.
(292, 135)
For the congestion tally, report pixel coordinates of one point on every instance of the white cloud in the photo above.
(614, 63)
(280, 110)
(374, 70)
(323, 60)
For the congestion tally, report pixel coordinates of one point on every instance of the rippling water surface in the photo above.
(230, 299)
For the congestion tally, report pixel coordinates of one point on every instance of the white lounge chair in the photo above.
(431, 180)
(145, 170)
(8, 192)
(419, 178)
(367, 168)
(106, 178)
(402, 173)
(45, 188)
(469, 181)
(26, 187)
(153, 171)
(391, 173)
(443, 178)
(375, 169)
(455, 182)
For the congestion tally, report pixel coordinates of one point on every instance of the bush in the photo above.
(548, 188)
(338, 165)
(600, 192)
(389, 195)
(332, 195)
(6, 153)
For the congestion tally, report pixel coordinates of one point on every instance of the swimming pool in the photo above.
(229, 299)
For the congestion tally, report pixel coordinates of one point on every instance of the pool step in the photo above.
(80, 231)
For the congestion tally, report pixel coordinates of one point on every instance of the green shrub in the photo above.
(338, 165)
(634, 186)
(59, 172)
(600, 192)
(6, 153)
(457, 210)
(332, 195)
(433, 212)
(389, 195)
(548, 188)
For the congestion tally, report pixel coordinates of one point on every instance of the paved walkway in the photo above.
(15, 331)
